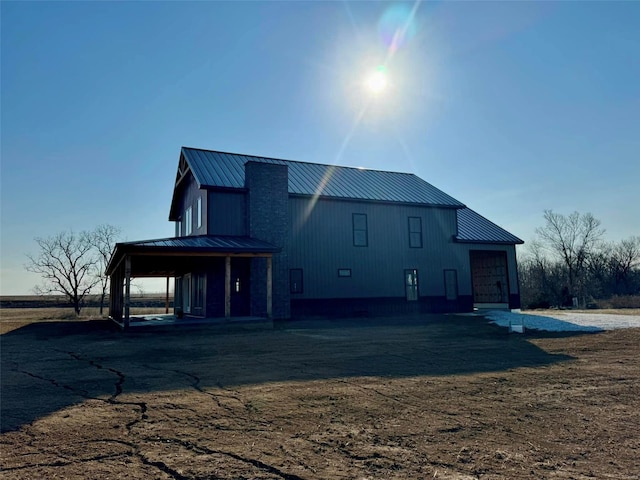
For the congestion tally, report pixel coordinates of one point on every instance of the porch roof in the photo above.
(162, 255)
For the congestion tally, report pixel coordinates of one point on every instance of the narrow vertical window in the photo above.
(179, 228)
(295, 280)
(415, 232)
(188, 221)
(177, 301)
(451, 284)
(199, 280)
(360, 233)
(199, 213)
(186, 293)
(411, 284)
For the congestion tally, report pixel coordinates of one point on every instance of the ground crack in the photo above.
(375, 390)
(195, 384)
(113, 399)
(61, 463)
(119, 374)
(162, 467)
(54, 382)
(256, 463)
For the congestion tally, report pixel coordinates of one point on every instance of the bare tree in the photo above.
(104, 239)
(541, 278)
(625, 257)
(66, 262)
(571, 239)
(598, 271)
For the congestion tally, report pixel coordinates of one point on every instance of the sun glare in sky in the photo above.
(395, 28)
(377, 80)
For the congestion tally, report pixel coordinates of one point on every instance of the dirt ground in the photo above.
(445, 397)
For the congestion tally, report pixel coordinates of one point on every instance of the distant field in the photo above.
(15, 318)
(49, 301)
(17, 311)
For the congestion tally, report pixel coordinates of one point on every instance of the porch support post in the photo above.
(166, 298)
(127, 290)
(116, 292)
(227, 287)
(269, 287)
(112, 295)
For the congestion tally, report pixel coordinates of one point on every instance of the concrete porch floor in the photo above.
(149, 322)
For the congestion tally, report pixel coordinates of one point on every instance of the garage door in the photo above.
(489, 277)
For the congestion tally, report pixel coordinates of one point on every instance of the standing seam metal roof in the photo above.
(219, 169)
(473, 227)
(205, 242)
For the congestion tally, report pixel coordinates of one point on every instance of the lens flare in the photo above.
(397, 26)
(377, 81)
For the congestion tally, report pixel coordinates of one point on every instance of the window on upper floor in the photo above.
(415, 232)
(360, 232)
(188, 221)
(179, 228)
(199, 213)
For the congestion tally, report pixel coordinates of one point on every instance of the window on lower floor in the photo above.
(199, 287)
(411, 284)
(295, 280)
(177, 301)
(186, 293)
(451, 284)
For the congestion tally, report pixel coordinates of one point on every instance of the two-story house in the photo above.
(265, 237)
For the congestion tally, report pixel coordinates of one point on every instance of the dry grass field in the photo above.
(608, 311)
(14, 318)
(20, 310)
(433, 397)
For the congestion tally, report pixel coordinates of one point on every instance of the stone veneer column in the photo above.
(267, 187)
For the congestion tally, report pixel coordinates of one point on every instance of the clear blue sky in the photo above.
(510, 107)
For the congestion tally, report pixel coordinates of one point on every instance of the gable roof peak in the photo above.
(262, 159)
(226, 170)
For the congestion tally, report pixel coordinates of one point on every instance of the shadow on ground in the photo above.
(49, 366)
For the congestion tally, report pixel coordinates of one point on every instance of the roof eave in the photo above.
(489, 242)
(372, 200)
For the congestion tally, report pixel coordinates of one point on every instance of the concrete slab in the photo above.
(160, 321)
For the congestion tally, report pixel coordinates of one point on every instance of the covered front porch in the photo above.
(210, 257)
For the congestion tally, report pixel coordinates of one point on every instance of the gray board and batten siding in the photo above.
(185, 195)
(377, 270)
(227, 212)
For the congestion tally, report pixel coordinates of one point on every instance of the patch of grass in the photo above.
(621, 301)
